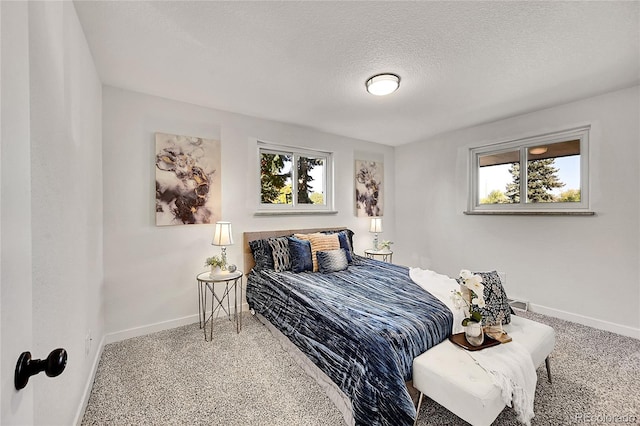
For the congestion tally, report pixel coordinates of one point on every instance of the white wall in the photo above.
(15, 211)
(150, 271)
(66, 201)
(585, 269)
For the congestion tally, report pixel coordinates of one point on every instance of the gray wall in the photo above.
(94, 261)
(585, 269)
(57, 162)
(150, 271)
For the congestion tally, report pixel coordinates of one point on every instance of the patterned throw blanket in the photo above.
(362, 326)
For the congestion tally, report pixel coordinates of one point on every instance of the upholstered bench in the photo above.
(448, 375)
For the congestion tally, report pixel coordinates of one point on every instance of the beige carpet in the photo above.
(174, 377)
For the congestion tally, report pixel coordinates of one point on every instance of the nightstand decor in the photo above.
(375, 228)
(229, 283)
(384, 255)
(215, 263)
(223, 237)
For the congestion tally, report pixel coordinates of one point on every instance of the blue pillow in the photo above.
(344, 244)
(332, 260)
(261, 254)
(345, 237)
(300, 255)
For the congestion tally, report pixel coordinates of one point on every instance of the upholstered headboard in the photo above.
(259, 235)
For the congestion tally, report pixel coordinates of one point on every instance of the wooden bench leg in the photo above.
(547, 362)
(418, 409)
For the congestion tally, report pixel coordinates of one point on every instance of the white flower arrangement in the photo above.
(214, 261)
(474, 284)
(385, 245)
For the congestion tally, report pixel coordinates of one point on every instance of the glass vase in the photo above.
(474, 333)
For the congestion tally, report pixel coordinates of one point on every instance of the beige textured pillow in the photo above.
(322, 242)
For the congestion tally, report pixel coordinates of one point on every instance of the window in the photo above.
(281, 167)
(546, 173)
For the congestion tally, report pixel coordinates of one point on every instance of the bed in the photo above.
(356, 331)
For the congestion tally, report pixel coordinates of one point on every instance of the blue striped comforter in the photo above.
(362, 326)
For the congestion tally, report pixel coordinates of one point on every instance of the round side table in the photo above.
(385, 256)
(232, 281)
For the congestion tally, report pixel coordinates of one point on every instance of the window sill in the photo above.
(293, 212)
(528, 213)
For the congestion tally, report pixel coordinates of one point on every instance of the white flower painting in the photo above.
(369, 176)
(187, 180)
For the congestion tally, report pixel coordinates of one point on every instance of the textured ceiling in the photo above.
(461, 63)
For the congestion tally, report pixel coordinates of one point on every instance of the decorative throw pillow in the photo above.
(349, 233)
(281, 255)
(300, 255)
(343, 239)
(304, 237)
(497, 307)
(261, 254)
(322, 242)
(332, 260)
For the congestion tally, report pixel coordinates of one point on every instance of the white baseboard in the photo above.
(117, 336)
(89, 385)
(584, 320)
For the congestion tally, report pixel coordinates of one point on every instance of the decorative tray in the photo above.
(461, 341)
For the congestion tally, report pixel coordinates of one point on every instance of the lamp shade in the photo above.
(376, 224)
(222, 235)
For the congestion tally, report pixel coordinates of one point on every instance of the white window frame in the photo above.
(522, 145)
(294, 207)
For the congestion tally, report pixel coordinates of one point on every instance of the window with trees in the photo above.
(547, 173)
(294, 179)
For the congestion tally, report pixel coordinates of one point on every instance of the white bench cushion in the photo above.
(538, 338)
(448, 375)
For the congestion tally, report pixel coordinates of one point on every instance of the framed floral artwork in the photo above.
(369, 180)
(188, 185)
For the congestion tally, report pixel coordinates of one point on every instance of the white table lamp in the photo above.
(223, 237)
(375, 228)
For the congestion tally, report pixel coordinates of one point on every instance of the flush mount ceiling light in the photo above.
(383, 84)
(538, 150)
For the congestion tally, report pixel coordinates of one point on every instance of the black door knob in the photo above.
(26, 367)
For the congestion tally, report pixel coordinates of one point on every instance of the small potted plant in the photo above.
(216, 263)
(385, 246)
